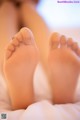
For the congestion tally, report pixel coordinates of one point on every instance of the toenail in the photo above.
(63, 40)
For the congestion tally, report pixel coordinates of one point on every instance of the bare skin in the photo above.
(39, 28)
(20, 62)
(68, 54)
(8, 26)
(64, 68)
(21, 58)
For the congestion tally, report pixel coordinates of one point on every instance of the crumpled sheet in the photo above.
(42, 110)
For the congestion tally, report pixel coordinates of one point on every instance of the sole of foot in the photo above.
(63, 68)
(20, 61)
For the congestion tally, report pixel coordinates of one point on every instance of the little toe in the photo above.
(70, 42)
(54, 40)
(63, 41)
(8, 54)
(78, 52)
(75, 46)
(27, 36)
(11, 47)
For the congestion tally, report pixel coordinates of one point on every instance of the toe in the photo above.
(15, 41)
(8, 54)
(54, 40)
(11, 47)
(70, 42)
(78, 52)
(63, 41)
(18, 37)
(75, 46)
(27, 36)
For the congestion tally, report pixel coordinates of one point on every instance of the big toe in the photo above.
(24, 36)
(54, 40)
(27, 36)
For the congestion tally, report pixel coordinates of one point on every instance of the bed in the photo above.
(41, 110)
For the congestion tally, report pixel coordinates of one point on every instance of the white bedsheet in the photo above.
(42, 110)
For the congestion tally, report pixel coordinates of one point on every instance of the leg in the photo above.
(8, 25)
(40, 30)
(21, 59)
(64, 68)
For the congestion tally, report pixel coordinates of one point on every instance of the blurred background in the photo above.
(61, 17)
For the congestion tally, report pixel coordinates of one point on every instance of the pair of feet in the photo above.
(21, 59)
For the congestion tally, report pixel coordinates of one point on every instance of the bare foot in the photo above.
(64, 68)
(20, 62)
